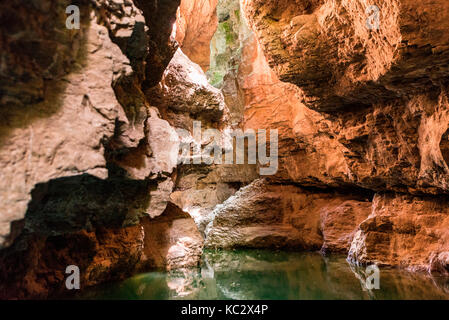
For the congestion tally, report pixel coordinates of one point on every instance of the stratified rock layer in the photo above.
(341, 57)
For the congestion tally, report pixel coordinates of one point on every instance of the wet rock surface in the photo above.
(35, 265)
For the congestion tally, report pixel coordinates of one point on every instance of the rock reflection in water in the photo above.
(260, 274)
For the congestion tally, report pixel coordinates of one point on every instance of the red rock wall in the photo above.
(381, 95)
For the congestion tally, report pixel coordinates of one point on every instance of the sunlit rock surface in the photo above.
(184, 95)
(35, 265)
(196, 22)
(84, 157)
(92, 121)
(380, 104)
(63, 135)
(171, 241)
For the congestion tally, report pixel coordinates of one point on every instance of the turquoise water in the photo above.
(260, 274)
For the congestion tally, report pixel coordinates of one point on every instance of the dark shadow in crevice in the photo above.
(444, 146)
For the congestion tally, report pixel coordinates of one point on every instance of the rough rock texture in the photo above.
(196, 22)
(39, 54)
(83, 125)
(404, 230)
(34, 267)
(398, 146)
(309, 152)
(200, 188)
(184, 95)
(301, 274)
(38, 270)
(63, 135)
(91, 129)
(226, 50)
(261, 215)
(160, 17)
(171, 241)
(84, 157)
(326, 48)
(381, 94)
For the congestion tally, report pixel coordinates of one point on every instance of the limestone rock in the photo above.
(339, 224)
(63, 135)
(160, 17)
(37, 53)
(309, 152)
(159, 198)
(35, 267)
(397, 146)
(199, 188)
(64, 132)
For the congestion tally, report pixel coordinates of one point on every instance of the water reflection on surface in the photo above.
(259, 274)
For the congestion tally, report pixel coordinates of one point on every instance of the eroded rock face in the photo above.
(196, 23)
(39, 54)
(397, 146)
(86, 160)
(404, 230)
(336, 53)
(381, 96)
(184, 95)
(63, 135)
(160, 17)
(171, 241)
(309, 152)
(199, 189)
(261, 215)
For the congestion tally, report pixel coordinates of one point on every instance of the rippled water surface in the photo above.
(259, 274)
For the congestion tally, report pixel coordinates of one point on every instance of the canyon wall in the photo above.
(90, 135)
(374, 97)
